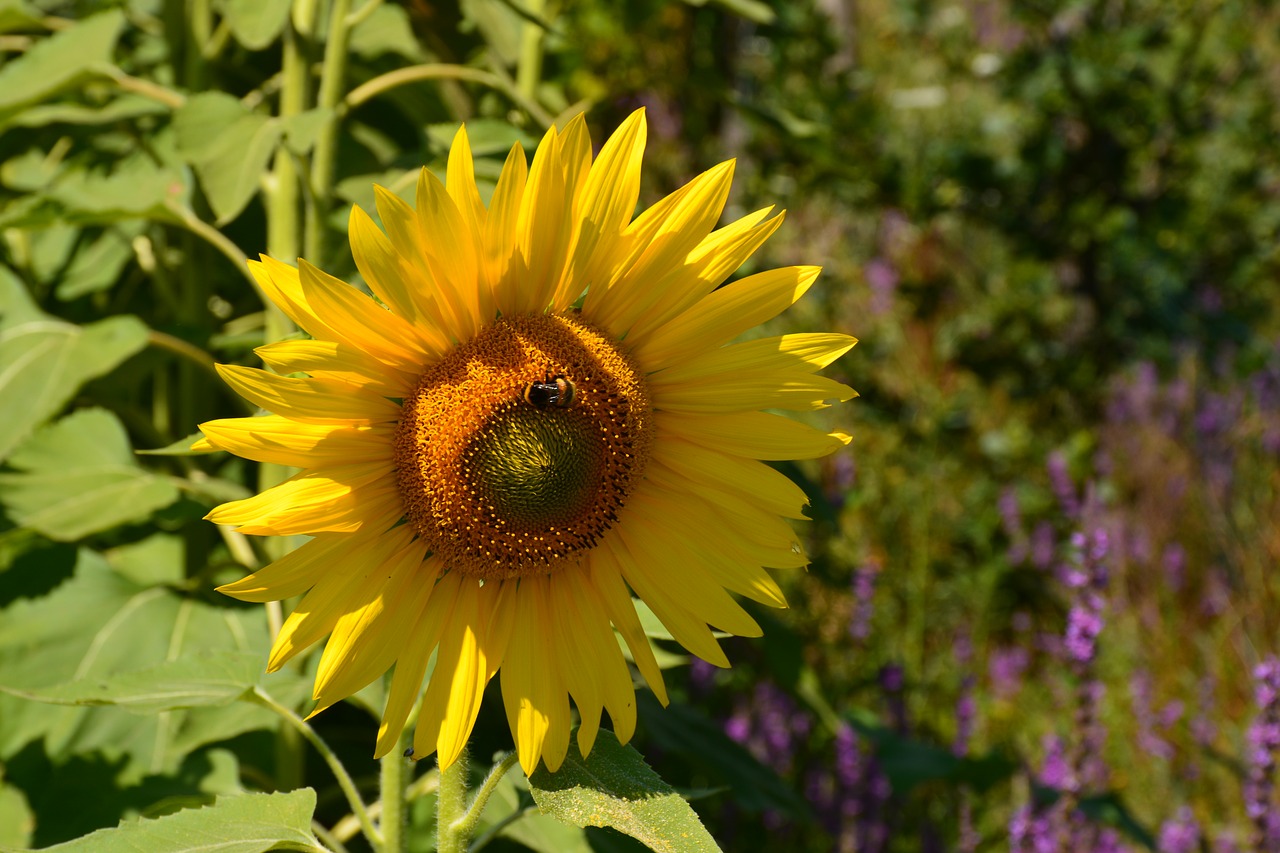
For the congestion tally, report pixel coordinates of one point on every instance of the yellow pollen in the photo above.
(503, 471)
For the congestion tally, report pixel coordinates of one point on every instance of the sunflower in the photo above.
(537, 415)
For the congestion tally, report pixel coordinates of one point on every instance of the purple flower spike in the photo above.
(1264, 742)
(1181, 834)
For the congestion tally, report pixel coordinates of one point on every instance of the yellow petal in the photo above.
(605, 661)
(365, 324)
(453, 695)
(606, 582)
(802, 352)
(750, 391)
(571, 636)
(449, 248)
(765, 486)
(460, 180)
(281, 283)
(608, 199)
(311, 400)
(688, 224)
(504, 267)
(716, 539)
(723, 315)
(367, 639)
(345, 588)
(531, 689)
(398, 283)
(714, 260)
(272, 438)
(411, 665)
(701, 592)
(300, 569)
(756, 435)
(543, 230)
(338, 500)
(756, 534)
(575, 153)
(340, 362)
(689, 631)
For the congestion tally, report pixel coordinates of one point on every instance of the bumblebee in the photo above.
(556, 392)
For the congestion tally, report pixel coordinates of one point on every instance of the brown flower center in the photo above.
(515, 453)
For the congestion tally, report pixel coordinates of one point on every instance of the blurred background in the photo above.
(1042, 607)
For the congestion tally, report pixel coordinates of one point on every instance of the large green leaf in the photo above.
(97, 263)
(386, 30)
(208, 679)
(135, 188)
(78, 476)
(229, 146)
(59, 61)
(93, 783)
(15, 817)
(244, 823)
(18, 15)
(44, 361)
(119, 109)
(98, 624)
(614, 787)
(256, 23)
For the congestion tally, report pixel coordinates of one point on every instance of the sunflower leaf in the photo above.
(44, 361)
(60, 61)
(209, 679)
(77, 477)
(95, 624)
(614, 787)
(242, 823)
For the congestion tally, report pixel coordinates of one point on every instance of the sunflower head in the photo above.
(489, 474)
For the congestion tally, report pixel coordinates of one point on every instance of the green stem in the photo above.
(147, 88)
(443, 71)
(345, 782)
(529, 70)
(394, 782)
(187, 218)
(179, 347)
(468, 822)
(451, 802)
(333, 75)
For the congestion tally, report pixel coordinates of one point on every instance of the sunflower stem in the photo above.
(333, 74)
(384, 83)
(345, 782)
(452, 836)
(471, 818)
(529, 69)
(394, 783)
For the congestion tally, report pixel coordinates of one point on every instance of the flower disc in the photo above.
(502, 480)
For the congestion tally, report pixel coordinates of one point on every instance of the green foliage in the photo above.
(615, 788)
(256, 822)
(1018, 207)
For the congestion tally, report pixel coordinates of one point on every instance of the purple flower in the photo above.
(1063, 487)
(1148, 740)
(1175, 565)
(882, 279)
(1055, 771)
(864, 588)
(1180, 834)
(1006, 667)
(1264, 740)
(1084, 623)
